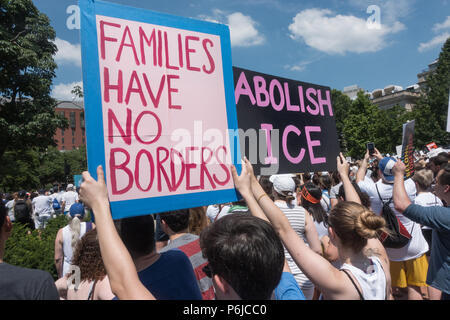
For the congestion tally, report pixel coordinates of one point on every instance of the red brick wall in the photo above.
(74, 136)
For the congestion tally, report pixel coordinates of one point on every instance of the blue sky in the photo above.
(324, 42)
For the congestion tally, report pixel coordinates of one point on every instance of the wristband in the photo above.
(259, 198)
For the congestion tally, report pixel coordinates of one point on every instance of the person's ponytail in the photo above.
(368, 225)
(75, 227)
(354, 224)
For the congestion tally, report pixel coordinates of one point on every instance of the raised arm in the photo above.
(313, 265)
(401, 199)
(59, 253)
(121, 270)
(363, 168)
(243, 184)
(343, 168)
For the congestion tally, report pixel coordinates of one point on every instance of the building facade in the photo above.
(75, 135)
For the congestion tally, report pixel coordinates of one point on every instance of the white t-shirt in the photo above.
(212, 212)
(417, 246)
(321, 229)
(10, 206)
(427, 199)
(335, 191)
(43, 205)
(70, 197)
(325, 202)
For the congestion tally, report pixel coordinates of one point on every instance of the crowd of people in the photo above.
(308, 236)
(35, 209)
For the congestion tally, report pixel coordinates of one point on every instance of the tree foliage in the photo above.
(359, 121)
(431, 111)
(35, 250)
(27, 68)
(33, 169)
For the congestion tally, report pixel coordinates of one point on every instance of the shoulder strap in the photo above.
(379, 196)
(354, 284)
(91, 291)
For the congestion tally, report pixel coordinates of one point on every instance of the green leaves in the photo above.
(27, 69)
(360, 121)
(35, 251)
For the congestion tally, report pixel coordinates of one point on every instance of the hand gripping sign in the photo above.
(159, 107)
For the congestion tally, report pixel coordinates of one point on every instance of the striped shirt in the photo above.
(190, 245)
(296, 217)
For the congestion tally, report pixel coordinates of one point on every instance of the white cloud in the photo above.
(301, 66)
(442, 26)
(435, 42)
(62, 91)
(438, 40)
(68, 53)
(243, 29)
(338, 34)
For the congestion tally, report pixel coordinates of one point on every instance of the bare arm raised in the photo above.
(118, 263)
(313, 265)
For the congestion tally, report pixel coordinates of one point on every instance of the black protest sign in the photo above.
(408, 148)
(286, 126)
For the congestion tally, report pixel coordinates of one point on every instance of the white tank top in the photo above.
(67, 245)
(372, 283)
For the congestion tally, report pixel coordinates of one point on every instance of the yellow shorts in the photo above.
(409, 273)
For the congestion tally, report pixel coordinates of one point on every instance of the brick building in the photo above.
(75, 135)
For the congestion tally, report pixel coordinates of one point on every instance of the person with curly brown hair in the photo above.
(93, 280)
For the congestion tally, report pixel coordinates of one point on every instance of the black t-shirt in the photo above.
(18, 283)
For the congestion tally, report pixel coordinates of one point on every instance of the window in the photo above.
(73, 132)
(82, 120)
(63, 148)
(84, 140)
(72, 120)
(62, 132)
(62, 141)
(73, 140)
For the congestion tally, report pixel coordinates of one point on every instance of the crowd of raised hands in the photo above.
(351, 225)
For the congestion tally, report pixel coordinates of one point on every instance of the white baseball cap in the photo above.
(283, 183)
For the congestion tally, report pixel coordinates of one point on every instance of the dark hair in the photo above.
(266, 185)
(444, 179)
(88, 258)
(246, 252)
(138, 234)
(316, 179)
(306, 176)
(440, 159)
(325, 182)
(2, 214)
(364, 197)
(315, 209)
(335, 177)
(177, 220)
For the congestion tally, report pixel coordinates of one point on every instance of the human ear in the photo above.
(221, 284)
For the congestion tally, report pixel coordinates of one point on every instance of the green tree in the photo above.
(359, 121)
(27, 68)
(430, 112)
(341, 106)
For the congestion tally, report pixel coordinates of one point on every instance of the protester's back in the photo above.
(168, 275)
(175, 224)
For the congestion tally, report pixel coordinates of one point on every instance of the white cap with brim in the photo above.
(283, 183)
